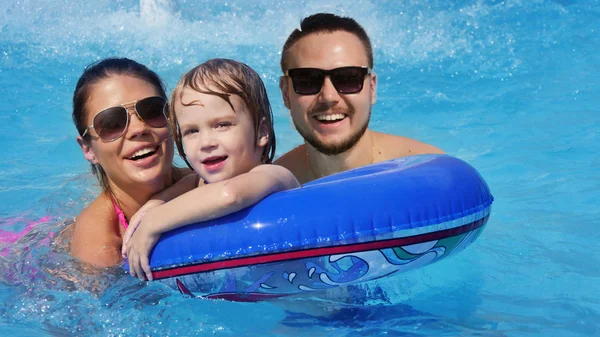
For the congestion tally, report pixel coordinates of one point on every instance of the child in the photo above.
(223, 128)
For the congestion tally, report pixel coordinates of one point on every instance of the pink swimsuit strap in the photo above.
(122, 219)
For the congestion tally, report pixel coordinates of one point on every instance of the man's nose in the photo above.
(328, 92)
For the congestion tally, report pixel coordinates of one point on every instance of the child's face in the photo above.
(219, 143)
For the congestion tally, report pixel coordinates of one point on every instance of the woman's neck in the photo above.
(132, 197)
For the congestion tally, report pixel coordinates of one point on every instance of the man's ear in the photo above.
(263, 134)
(373, 85)
(284, 87)
(87, 150)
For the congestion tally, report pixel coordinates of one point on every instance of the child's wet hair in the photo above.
(222, 78)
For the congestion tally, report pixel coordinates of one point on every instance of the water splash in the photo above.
(164, 34)
(158, 12)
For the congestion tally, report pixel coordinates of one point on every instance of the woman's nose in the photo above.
(136, 126)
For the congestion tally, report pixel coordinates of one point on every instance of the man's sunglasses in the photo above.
(111, 123)
(346, 80)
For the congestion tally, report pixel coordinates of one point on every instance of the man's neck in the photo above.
(360, 154)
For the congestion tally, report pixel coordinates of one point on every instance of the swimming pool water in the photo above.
(512, 87)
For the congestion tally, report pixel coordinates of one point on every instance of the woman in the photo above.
(118, 109)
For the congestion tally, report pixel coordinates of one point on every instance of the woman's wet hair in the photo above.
(92, 75)
(224, 77)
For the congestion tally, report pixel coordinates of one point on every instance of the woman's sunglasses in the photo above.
(346, 80)
(111, 123)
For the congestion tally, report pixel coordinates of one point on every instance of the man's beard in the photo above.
(335, 148)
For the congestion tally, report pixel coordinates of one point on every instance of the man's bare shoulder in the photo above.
(295, 161)
(291, 157)
(388, 146)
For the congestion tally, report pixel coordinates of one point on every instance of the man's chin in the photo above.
(332, 148)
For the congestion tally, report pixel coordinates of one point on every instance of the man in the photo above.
(329, 88)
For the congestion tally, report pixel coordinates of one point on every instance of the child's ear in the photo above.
(87, 150)
(263, 134)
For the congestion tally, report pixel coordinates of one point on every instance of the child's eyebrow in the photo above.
(222, 118)
(194, 102)
(183, 125)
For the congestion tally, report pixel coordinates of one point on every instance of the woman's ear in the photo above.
(263, 133)
(88, 154)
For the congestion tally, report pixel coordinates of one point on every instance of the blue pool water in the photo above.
(512, 87)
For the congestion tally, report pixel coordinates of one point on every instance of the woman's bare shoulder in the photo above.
(181, 172)
(96, 236)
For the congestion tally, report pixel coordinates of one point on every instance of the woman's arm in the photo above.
(204, 203)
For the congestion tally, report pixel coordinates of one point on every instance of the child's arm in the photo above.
(184, 185)
(205, 203)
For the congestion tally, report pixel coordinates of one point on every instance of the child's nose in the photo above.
(208, 141)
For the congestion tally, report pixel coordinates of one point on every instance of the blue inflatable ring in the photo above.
(350, 227)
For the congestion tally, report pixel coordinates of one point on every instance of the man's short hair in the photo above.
(326, 23)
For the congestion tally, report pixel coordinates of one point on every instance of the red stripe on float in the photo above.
(252, 297)
(314, 252)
